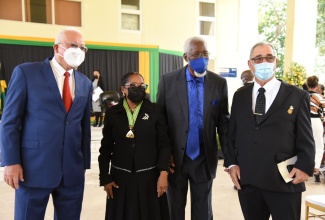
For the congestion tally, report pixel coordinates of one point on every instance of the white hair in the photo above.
(187, 44)
(261, 44)
(61, 34)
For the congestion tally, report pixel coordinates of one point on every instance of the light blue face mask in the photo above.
(264, 71)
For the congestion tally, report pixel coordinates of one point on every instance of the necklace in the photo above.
(131, 117)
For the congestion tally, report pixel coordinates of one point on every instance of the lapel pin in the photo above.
(145, 117)
(290, 110)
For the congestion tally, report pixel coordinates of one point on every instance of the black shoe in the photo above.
(94, 125)
(317, 179)
(99, 125)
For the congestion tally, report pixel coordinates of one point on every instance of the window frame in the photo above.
(213, 20)
(131, 12)
(52, 9)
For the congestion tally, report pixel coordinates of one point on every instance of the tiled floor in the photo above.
(224, 199)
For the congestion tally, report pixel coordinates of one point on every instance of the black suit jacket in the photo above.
(257, 148)
(172, 96)
(149, 148)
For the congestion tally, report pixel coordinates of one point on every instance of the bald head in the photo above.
(64, 35)
(63, 41)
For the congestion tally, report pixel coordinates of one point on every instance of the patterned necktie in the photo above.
(66, 94)
(193, 140)
(260, 105)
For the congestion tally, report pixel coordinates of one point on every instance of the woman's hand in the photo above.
(162, 184)
(109, 189)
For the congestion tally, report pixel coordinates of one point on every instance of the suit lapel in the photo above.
(50, 79)
(283, 93)
(248, 96)
(78, 90)
(209, 87)
(181, 87)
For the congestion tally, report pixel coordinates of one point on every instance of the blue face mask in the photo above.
(264, 71)
(199, 65)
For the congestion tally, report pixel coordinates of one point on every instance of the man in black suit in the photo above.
(195, 102)
(247, 77)
(259, 139)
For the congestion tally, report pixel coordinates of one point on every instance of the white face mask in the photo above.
(200, 74)
(73, 56)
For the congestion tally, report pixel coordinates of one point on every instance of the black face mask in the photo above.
(136, 94)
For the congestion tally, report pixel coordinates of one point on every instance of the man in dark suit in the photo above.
(195, 102)
(259, 139)
(247, 77)
(45, 131)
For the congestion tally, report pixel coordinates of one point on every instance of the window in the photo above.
(130, 15)
(206, 18)
(68, 13)
(38, 11)
(11, 10)
(62, 12)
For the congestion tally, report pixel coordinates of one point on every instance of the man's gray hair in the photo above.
(61, 34)
(187, 44)
(261, 44)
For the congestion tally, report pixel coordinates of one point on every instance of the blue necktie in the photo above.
(193, 141)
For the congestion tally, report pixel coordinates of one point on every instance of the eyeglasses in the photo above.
(75, 45)
(197, 55)
(268, 59)
(134, 85)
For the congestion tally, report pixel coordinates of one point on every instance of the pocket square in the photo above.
(214, 102)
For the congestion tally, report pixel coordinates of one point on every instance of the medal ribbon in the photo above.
(131, 117)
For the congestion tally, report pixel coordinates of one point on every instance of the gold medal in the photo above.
(290, 110)
(130, 133)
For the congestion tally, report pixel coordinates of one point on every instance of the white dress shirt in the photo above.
(59, 71)
(271, 90)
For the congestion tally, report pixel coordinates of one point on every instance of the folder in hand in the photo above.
(284, 168)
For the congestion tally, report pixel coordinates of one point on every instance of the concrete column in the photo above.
(301, 34)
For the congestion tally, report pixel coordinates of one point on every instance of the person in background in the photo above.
(96, 107)
(45, 132)
(135, 145)
(195, 102)
(320, 89)
(317, 105)
(247, 77)
(269, 123)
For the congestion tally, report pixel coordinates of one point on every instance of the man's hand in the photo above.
(299, 176)
(234, 173)
(109, 189)
(12, 174)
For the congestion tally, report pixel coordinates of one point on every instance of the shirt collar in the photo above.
(268, 86)
(58, 68)
(189, 77)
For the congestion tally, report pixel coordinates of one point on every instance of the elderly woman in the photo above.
(134, 155)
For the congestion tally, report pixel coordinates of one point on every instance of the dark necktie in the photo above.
(66, 94)
(260, 105)
(193, 141)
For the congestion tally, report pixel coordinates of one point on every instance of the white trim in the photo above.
(130, 12)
